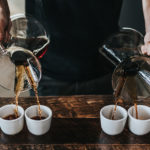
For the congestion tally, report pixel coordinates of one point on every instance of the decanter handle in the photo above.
(3, 51)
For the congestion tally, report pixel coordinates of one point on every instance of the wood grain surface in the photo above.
(75, 125)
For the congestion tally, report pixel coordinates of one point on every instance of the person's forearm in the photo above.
(146, 11)
(4, 4)
(5, 22)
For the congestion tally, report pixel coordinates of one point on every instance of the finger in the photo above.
(2, 29)
(147, 37)
(2, 36)
(7, 34)
(7, 37)
(9, 26)
(143, 49)
(148, 49)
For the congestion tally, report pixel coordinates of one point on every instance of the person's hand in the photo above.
(5, 22)
(146, 47)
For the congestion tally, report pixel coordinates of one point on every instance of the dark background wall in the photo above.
(132, 15)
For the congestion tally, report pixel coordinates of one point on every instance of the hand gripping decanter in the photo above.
(20, 67)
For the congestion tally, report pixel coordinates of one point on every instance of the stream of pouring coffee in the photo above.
(117, 92)
(20, 71)
(34, 86)
(131, 87)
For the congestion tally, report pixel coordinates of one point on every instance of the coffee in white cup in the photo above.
(115, 126)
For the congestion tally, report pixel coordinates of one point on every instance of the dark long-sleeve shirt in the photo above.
(77, 28)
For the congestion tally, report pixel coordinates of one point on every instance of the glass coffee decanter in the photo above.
(131, 77)
(28, 42)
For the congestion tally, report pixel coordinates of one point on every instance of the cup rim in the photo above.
(47, 118)
(22, 114)
(119, 120)
(130, 116)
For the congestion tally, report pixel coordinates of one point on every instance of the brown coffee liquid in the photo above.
(11, 117)
(38, 118)
(33, 84)
(20, 71)
(115, 108)
(32, 44)
(117, 93)
(136, 110)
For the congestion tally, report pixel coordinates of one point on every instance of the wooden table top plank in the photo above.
(83, 106)
(67, 106)
(75, 125)
(75, 131)
(74, 147)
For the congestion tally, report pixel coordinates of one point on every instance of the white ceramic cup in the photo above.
(11, 127)
(116, 126)
(141, 125)
(38, 127)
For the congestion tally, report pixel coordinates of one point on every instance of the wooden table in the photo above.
(75, 125)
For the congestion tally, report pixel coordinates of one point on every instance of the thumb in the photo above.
(7, 33)
(1, 36)
(147, 38)
(2, 30)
